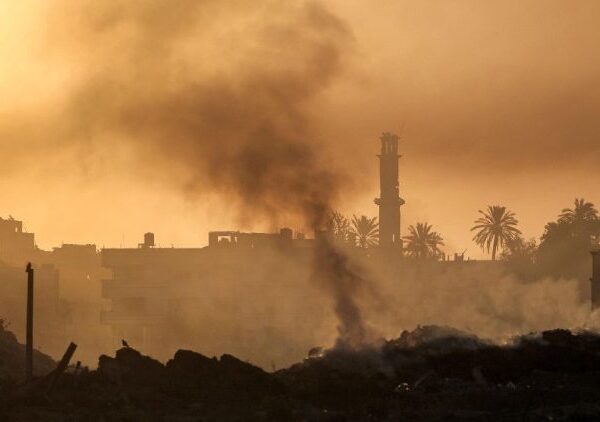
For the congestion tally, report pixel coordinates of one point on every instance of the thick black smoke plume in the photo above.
(237, 121)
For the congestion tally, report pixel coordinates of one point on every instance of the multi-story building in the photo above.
(66, 289)
(161, 296)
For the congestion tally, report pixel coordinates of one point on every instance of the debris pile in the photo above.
(431, 373)
(12, 358)
(188, 375)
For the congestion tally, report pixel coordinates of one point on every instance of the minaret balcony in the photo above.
(390, 201)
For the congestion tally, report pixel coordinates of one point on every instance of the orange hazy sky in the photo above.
(497, 101)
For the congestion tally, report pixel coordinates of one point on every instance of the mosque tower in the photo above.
(389, 200)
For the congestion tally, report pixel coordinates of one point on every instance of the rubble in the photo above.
(12, 358)
(431, 373)
(433, 337)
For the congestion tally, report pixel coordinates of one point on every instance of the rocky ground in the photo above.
(431, 373)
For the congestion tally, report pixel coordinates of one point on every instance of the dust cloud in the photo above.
(485, 299)
(292, 315)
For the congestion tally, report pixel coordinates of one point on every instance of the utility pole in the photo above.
(29, 332)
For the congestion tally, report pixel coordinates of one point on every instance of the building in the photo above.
(389, 201)
(155, 292)
(49, 325)
(80, 271)
(145, 286)
(16, 246)
(66, 291)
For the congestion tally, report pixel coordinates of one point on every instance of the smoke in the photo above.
(209, 114)
(245, 132)
(344, 281)
(484, 298)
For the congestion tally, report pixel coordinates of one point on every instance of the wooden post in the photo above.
(62, 366)
(45, 384)
(29, 332)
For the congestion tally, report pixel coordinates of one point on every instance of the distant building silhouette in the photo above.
(16, 246)
(67, 287)
(151, 286)
(389, 201)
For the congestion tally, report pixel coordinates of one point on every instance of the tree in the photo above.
(495, 229)
(583, 218)
(338, 225)
(366, 231)
(520, 257)
(565, 245)
(423, 242)
(583, 213)
(519, 248)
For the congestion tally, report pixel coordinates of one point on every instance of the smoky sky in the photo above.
(243, 130)
(498, 101)
(502, 86)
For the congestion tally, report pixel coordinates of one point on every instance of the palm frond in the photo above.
(495, 228)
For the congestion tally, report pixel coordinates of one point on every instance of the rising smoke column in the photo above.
(237, 120)
(332, 268)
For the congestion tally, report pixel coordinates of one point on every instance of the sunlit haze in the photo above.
(497, 103)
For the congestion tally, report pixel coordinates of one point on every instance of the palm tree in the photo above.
(338, 225)
(565, 244)
(366, 230)
(495, 229)
(583, 212)
(422, 242)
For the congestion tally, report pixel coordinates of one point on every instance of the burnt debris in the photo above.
(430, 373)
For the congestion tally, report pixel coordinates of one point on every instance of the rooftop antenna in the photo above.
(401, 130)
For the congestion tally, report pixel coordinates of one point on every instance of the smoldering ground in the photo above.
(487, 299)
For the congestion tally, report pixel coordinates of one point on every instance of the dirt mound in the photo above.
(12, 358)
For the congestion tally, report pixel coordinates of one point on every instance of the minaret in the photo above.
(389, 200)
